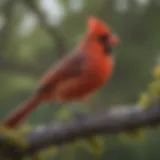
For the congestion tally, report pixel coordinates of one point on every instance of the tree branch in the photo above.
(53, 32)
(110, 121)
(22, 68)
(6, 30)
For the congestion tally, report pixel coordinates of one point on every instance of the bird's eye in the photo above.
(103, 38)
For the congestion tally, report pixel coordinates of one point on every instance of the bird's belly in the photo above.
(77, 88)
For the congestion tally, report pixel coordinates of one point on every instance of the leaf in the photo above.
(63, 113)
(93, 144)
(138, 134)
(156, 72)
(154, 88)
(145, 100)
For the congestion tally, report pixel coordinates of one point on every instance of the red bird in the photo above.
(77, 75)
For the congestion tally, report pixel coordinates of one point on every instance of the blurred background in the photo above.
(36, 33)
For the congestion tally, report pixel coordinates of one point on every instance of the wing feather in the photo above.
(70, 67)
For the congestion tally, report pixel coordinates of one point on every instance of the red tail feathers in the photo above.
(22, 111)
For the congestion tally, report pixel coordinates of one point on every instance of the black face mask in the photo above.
(104, 40)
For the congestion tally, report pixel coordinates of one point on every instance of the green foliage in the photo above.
(153, 93)
(146, 100)
(12, 140)
(93, 144)
(138, 134)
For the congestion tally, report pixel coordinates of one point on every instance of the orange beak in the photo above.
(114, 40)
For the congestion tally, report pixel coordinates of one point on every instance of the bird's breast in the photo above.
(95, 74)
(101, 69)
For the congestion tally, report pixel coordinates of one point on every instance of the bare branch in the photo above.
(5, 33)
(53, 32)
(6, 30)
(110, 121)
(22, 68)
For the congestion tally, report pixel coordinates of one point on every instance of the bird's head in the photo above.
(100, 31)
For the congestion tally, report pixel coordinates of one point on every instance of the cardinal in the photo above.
(76, 76)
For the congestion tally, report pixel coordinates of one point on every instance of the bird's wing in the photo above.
(69, 67)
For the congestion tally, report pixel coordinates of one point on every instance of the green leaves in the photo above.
(138, 134)
(12, 142)
(93, 144)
